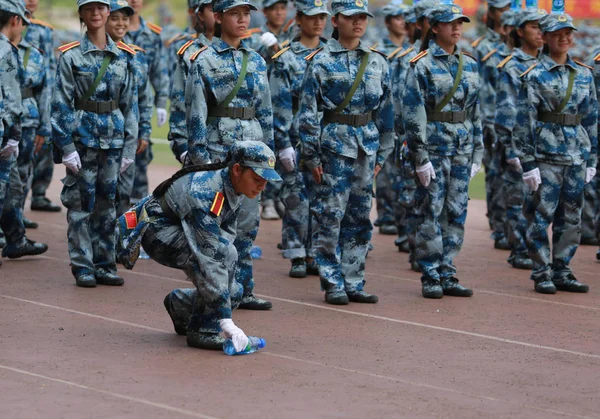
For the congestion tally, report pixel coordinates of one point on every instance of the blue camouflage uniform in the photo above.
(286, 77)
(347, 144)
(284, 37)
(148, 38)
(451, 147)
(212, 130)
(561, 148)
(594, 62)
(193, 228)
(102, 139)
(41, 35)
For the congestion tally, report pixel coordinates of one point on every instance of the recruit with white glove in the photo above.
(72, 161)
(515, 162)
(161, 116)
(533, 179)
(125, 163)
(268, 39)
(425, 173)
(590, 172)
(237, 335)
(288, 158)
(11, 148)
(475, 168)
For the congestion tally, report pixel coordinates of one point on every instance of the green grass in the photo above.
(477, 186)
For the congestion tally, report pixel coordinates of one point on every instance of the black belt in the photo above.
(96, 106)
(26, 93)
(354, 120)
(455, 117)
(560, 118)
(230, 112)
(166, 209)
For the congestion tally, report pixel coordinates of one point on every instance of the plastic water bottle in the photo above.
(143, 254)
(254, 344)
(256, 252)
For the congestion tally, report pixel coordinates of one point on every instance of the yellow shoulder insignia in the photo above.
(195, 36)
(122, 45)
(251, 32)
(281, 51)
(597, 58)
(217, 204)
(312, 54)
(583, 65)
(378, 52)
(468, 54)
(195, 54)
(284, 43)
(136, 48)
(374, 45)
(69, 46)
(394, 52)
(476, 42)
(41, 23)
(418, 56)
(155, 28)
(528, 70)
(504, 61)
(289, 25)
(176, 38)
(408, 51)
(488, 55)
(184, 47)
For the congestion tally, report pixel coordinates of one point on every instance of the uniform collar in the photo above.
(334, 46)
(221, 46)
(550, 64)
(232, 197)
(518, 53)
(438, 51)
(297, 47)
(88, 46)
(24, 44)
(492, 35)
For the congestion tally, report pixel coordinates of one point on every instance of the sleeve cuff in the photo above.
(68, 149)
(528, 165)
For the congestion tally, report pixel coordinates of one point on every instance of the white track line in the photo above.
(365, 373)
(109, 393)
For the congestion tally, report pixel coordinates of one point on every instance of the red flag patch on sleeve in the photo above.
(131, 220)
(217, 204)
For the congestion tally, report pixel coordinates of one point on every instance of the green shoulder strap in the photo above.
(357, 80)
(569, 92)
(450, 94)
(238, 83)
(26, 57)
(88, 94)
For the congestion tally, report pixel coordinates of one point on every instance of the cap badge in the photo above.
(562, 18)
(271, 161)
(455, 9)
(122, 3)
(541, 12)
(318, 3)
(359, 3)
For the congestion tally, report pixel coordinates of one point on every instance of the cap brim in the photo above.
(242, 3)
(561, 26)
(26, 20)
(356, 12)
(267, 174)
(315, 12)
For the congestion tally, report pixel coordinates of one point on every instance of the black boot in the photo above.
(570, 284)
(338, 298)
(250, 302)
(450, 286)
(105, 277)
(312, 268)
(388, 229)
(544, 285)
(521, 262)
(28, 224)
(180, 328)
(501, 244)
(431, 288)
(298, 269)
(43, 204)
(85, 281)
(362, 297)
(201, 340)
(26, 248)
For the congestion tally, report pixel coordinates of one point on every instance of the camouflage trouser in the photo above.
(440, 215)
(201, 307)
(494, 185)
(42, 172)
(558, 201)
(590, 210)
(385, 194)
(247, 230)
(25, 162)
(89, 198)
(340, 207)
(124, 190)
(140, 180)
(404, 189)
(11, 192)
(515, 190)
(296, 220)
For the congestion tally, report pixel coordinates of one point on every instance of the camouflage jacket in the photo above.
(489, 80)
(329, 78)
(145, 95)
(36, 109)
(41, 35)
(11, 73)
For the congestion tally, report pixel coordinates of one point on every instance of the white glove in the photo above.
(11, 148)
(288, 158)
(515, 162)
(533, 179)
(182, 157)
(425, 174)
(161, 116)
(475, 168)
(237, 335)
(268, 39)
(590, 172)
(125, 163)
(72, 161)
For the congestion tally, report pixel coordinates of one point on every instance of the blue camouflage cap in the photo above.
(223, 5)
(116, 5)
(84, 2)
(200, 3)
(509, 18)
(423, 8)
(269, 3)
(499, 4)
(350, 7)
(409, 16)
(312, 7)
(394, 10)
(554, 22)
(192, 4)
(530, 15)
(447, 13)
(16, 7)
(257, 156)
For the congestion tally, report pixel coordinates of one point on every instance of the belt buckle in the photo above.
(236, 113)
(246, 113)
(455, 117)
(103, 107)
(569, 119)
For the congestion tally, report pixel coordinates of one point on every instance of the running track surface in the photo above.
(110, 352)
